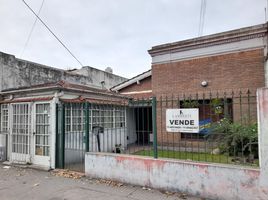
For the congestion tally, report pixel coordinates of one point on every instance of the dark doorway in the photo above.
(143, 124)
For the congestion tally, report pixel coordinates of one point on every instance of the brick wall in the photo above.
(230, 71)
(144, 85)
(225, 73)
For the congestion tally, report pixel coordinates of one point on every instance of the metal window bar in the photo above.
(42, 132)
(234, 108)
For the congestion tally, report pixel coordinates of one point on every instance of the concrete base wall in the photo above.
(205, 180)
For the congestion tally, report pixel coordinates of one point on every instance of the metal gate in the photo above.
(20, 133)
(84, 127)
(71, 137)
(3, 147)
(3, 131)
(74, 137)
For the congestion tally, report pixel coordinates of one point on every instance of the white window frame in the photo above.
(7, 128)
(49, 135)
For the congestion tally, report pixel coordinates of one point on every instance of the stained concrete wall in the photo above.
(205, 180)
(97, 76)
(16, 73)
(266, 73)
(262, 96)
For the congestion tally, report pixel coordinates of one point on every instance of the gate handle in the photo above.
(33, 133)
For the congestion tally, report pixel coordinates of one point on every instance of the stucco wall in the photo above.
(16, 73)
(262, 95)
(205, 180)
(97, 76)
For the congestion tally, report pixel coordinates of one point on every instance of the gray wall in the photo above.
(16, 73)
(97, 76)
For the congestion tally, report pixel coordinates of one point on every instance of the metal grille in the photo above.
(227, 128)
(3, 131)
(107, 130)
(42, 135)
(4, 118)
(140, 127)
(88, 127)
(74, 137)
(21, 125)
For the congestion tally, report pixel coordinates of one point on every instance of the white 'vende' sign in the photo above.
(182, 120)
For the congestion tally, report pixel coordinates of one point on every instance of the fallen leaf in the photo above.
(68, 174)
(36, 184)
(183, 196)
(110, 183)
(19, 175)
(169, 193)
(145, 188)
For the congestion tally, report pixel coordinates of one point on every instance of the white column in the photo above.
(53, 132)
(266, 73)
(262, 96)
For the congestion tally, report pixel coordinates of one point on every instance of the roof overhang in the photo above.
(132, 81)
(61, 86)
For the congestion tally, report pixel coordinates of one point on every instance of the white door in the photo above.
(20, 133)
(41, 134)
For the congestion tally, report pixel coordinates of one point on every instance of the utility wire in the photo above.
(31, 31)
(202, 17)
(69, 51)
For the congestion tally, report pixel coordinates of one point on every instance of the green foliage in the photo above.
(190, 104)
(235, 138)
(183, 155)
(195, 156)
(217, 105)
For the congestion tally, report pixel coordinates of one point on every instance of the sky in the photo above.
(114, 33)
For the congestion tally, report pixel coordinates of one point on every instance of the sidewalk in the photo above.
(25, 184)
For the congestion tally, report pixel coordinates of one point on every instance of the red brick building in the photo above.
(225, 65)
(229, 60)
(139, 86)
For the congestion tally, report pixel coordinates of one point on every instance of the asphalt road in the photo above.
(25, 184)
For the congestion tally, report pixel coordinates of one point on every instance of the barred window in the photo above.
(42, 135)
(119, 117)
(97, 118)
(74, 118)
(108, 116)
(4, 117)
(105, 116)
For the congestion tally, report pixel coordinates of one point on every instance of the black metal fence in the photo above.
(227, 129)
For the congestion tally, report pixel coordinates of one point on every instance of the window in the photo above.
(42, 135)
(74, 118)
(210, 110)
(4, 118)
(108, 116)
(97, 119)
(21, 128)
(119, 117)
